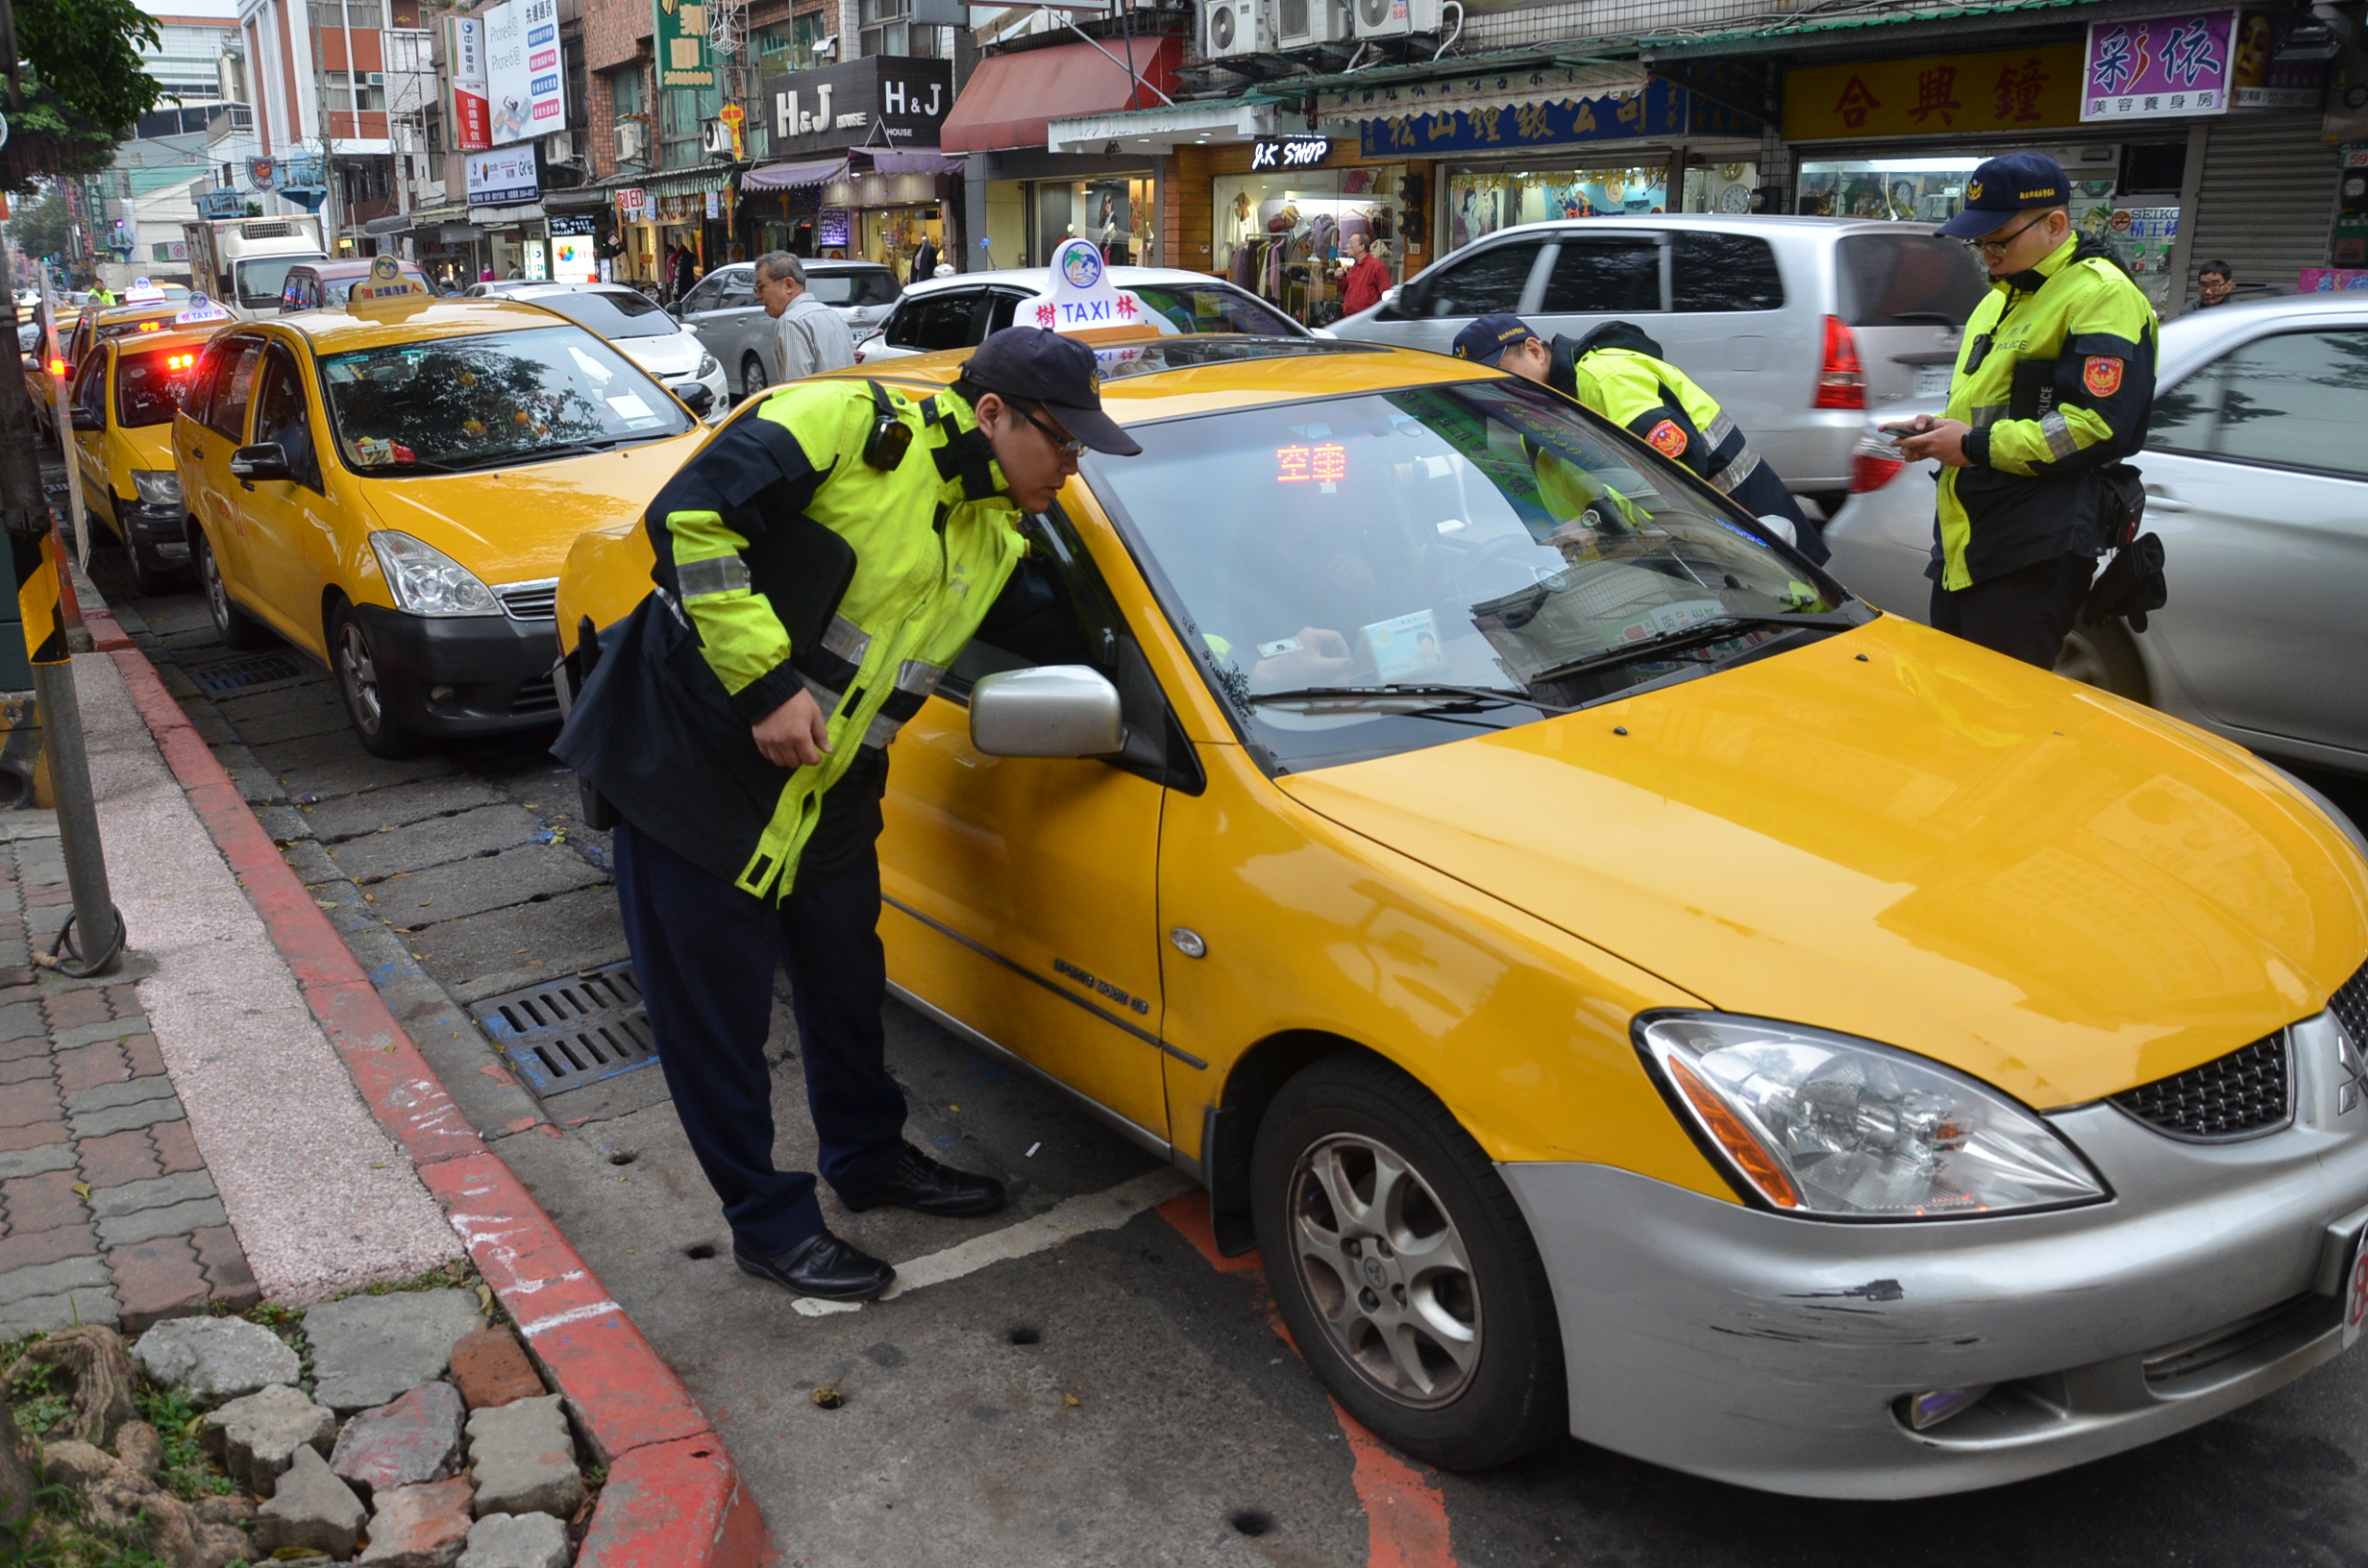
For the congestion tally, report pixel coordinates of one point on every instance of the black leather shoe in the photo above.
(821, 1265)
(923, 1186)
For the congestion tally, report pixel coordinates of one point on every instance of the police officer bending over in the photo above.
(820, 562)
(1618, 371)
(2054, 384)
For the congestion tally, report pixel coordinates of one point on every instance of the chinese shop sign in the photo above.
(2162, 67)
(2005, 89)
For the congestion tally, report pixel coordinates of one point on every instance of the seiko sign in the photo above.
(880, 101)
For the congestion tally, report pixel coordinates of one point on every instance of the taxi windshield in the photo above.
(488, 400)
(1366, 574)
(148, 384)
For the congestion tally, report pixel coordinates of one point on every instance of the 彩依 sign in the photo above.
(1289, 152)
(2158, 68)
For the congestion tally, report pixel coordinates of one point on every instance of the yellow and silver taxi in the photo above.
(95, 325)
(392, 487)
(1622, 983)
(124, 396)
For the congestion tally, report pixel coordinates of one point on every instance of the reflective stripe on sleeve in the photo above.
(724, 574)
(2059, 439)
(848, 640)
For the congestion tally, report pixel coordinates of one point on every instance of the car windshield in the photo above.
(866, 287)
(1193, 307)
(264, 277)
(1366, 574)
(489, 400)
(148, 384)
(611, 313)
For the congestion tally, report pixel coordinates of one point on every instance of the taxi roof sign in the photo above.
(142, 292)
(1082, 298)
(199, 310)
(387, 282)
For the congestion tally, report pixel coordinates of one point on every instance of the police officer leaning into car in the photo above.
(748, 759)
(1619, 373)
(2054, 384)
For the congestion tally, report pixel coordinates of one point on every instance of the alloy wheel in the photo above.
(751, 377)
(1385, 1269)
(217, 597)
(359, 675)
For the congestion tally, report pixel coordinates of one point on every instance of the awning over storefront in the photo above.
(814, 171)
(1163, 129)
(912, 160)
(1011, 97)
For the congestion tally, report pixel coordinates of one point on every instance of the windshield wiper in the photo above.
(1708, 631)
(533, 455)
(1417, 689)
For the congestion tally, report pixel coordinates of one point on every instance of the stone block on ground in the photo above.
(410, 1443)
(210, 1359)
(516, 1540)
(95, 1370)
(367, 1350)
(523, 1459)
(310, 1507)
(420, 1526)
(491, 1369)
(256, 1437)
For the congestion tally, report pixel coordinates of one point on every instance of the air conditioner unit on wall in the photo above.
(560, 147)
(1396, 18)
(1236, 27)
(633, 140)
(1303, 24)
(715, 138)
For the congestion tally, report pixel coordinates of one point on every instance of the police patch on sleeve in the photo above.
(1666, 440)
(2101, 374)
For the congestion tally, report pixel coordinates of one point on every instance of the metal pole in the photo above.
(78, 821)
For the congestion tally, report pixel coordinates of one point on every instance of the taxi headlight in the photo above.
(1827, 1126)
(157, 486)
(424, 580)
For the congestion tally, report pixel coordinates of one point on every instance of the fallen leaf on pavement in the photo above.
(827, 1396)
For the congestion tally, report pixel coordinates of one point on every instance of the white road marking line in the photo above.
(1065, 1221)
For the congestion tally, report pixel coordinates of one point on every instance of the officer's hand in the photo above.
(1944, 442)
(1911, 426)
(794, 734)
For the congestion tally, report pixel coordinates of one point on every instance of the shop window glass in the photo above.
(1286, 236)
(1723, 272)
(2298, 400)
(1479, 203)
(934, 322)
(1475, 286)
(1596, 275)
(1907, 280)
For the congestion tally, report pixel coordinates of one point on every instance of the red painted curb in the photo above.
(673, 1497)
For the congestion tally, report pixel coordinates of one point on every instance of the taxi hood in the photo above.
(515, 524)
(1897, 835)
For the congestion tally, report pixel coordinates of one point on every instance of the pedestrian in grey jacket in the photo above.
(808, 335)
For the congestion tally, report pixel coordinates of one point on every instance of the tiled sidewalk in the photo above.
(107, 1214)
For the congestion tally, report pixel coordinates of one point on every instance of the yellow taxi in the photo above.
(1622, 983)
(393, 486)
(124, 397)
(96, 324)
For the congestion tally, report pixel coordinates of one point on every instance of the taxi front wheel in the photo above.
(356, 668)
(236, 628)
(1403, 1268)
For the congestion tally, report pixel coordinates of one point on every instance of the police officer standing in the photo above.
(1618, 371)
(2054, 383)
(819, 563)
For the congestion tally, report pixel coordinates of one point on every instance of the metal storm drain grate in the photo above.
(564, 1034)
(226, 677)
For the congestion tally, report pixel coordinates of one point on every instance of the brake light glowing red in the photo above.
(56, 367)
(1841, 381)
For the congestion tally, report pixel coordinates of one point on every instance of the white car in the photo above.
(643, 332)
(2256, 481)
(958, 312)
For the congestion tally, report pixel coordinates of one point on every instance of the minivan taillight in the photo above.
(1842, 383)
(1874, 462)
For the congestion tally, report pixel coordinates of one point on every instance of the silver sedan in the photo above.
(2256, 479)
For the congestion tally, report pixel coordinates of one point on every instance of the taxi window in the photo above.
(490, 401)
(281, 419)
(86, 383)
(227, 411)
(149, 384)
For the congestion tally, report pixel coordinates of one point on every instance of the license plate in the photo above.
(2355, 1291)
(1933, 380)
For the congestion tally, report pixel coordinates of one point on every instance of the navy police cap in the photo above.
(1485, 339)
(2001, 186)
(1060, 373)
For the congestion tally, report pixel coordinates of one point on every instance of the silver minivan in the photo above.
(722, 309)
(1796, 325)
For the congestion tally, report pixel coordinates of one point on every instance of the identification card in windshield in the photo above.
(1405, 646)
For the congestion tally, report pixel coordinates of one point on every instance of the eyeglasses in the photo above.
(1998, 247)
(1061, 444)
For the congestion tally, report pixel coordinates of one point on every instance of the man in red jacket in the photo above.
(1366, 280)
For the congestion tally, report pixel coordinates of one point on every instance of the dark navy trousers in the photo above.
(705, 953)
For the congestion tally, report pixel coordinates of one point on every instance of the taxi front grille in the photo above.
(2349, 1005)
(2241, 1094)
(531, 600)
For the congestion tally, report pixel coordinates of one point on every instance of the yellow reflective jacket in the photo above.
(2056, 378)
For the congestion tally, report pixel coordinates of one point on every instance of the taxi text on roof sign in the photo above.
(388, 280)
(1083, 298)
(200, 310)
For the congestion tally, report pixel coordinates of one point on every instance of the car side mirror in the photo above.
(1389, 311)
(696, 398)
(1052, 710)
(266, 460)
(88, 419)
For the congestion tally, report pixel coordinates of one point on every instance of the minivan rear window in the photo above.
(1906, 280)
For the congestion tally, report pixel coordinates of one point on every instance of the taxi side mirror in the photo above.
(88, 419)
(1054, 710)
(266, 461)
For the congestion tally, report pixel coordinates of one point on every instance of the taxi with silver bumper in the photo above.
(1622, 983)
(392, 486)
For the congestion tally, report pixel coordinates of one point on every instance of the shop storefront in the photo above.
(687, 207)
(858, 172)
(1282, 212)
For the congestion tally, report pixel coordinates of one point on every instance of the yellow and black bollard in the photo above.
(42, 596)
